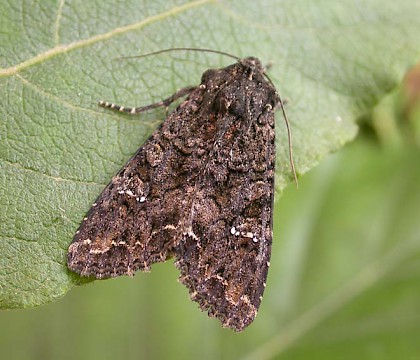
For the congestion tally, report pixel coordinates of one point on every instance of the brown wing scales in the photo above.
(200, 189)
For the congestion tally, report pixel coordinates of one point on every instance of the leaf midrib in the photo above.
(61, 49)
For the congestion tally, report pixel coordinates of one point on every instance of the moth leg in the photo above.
(135, 110)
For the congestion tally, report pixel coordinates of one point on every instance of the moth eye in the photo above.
(208, 76)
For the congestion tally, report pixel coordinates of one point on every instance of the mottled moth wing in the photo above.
(224, 255)
(200, 189)
(137, 220)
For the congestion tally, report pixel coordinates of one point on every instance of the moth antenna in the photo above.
(289, 137)
(180, 49)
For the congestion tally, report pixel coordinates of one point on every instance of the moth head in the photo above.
(253, 64)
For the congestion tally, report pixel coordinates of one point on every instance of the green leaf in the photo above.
(58, 150)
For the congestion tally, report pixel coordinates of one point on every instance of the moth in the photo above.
(199, 190)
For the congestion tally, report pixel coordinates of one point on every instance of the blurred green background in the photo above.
(344, 281)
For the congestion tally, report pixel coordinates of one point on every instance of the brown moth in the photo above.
(200, 190)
